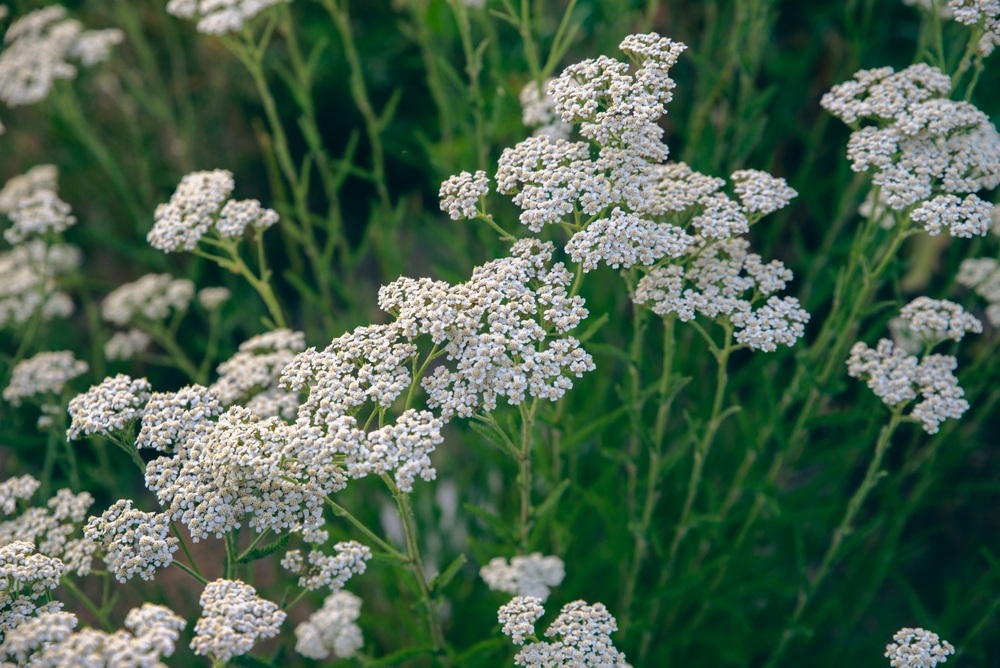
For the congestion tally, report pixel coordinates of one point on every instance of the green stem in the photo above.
(524, 475)
(101, 617)
(842, 531)
(340, 511)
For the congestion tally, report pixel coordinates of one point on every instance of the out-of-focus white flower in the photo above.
(151, 298)
(332, 628)
(525, 575)
(217, 17)
(44, 374)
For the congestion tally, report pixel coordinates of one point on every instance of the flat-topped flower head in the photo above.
(934, 320)
(109, 406)
(38, 215)
(897, 377)
(171, 419)
(331, 629)
(963, 218)
(917, 648)
(237, 215)
(154, 297)
(218, 17)
(581, 634)
(761, 193)
(39, 48)
(319, 570)
(134, 542)
(461, 193)
(233, 619)
(30, 282)
(22, 187)
(517, 618)
(251, 376)
(16, 489)
(525, 575)
(44, 374)
(191, 210)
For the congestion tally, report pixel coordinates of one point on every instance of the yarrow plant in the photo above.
(592, 350)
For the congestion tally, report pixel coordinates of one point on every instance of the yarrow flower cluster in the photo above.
(250, 377)
(44, 374)
(49, 527)
(322, 570)
(582, 634)
(982, 275)
(49, 640)
(917, 648)
(39, 214)
(27, 576)
(154, 297)
(171, 419)
(502, 336)
(108, 407)
(135, 542)
(920, 146)
(332, 628)
(217, 17)
(39, 48)
(531, 575)
(460, 194)
(233, 619)
(201, 205)
(538, 110)
(897, 378)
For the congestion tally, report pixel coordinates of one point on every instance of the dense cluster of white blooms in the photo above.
(44, 374)
(460, 194)
(134, 542)
(250, 377)
(897, 377)
(26, 576)
(985, 14)
(917, 648)
(504, 331)
(31, 268)
(49, 641)
(714, 284)
(126, 344)
(52, 527)
(920, 147)
(201, 205)
(154, 297)
(171, 419)
(530, 575)
(982, 275)
(40, 48)
(320, 570)
(109, 406)
(934, 320)
(217, 17)
(233, 618)
(538, 110)
(581, 633)
(332, 628)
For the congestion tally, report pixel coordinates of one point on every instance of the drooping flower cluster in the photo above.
(109, 406)
(233, 619)
(134, 542)
(530, 575)
(49, 527)
(43, 375)
(250, 377)
(320, 570)
(39, 48)
(581, 633)
(897, 377)
(200, 206)
(332, 628)
(49, 641)
(920, 147)
(217, 17)
(917, 648)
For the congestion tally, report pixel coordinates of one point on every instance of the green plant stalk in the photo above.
(524, 475)
(415, 565)
(177, 356)
(473, 68)
(101, 617)
(640, 546)
(185, 549)
(340, 511)
(842, 531)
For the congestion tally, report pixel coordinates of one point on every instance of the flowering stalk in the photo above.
(843, 529)
(524, 480)
(234, 262)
